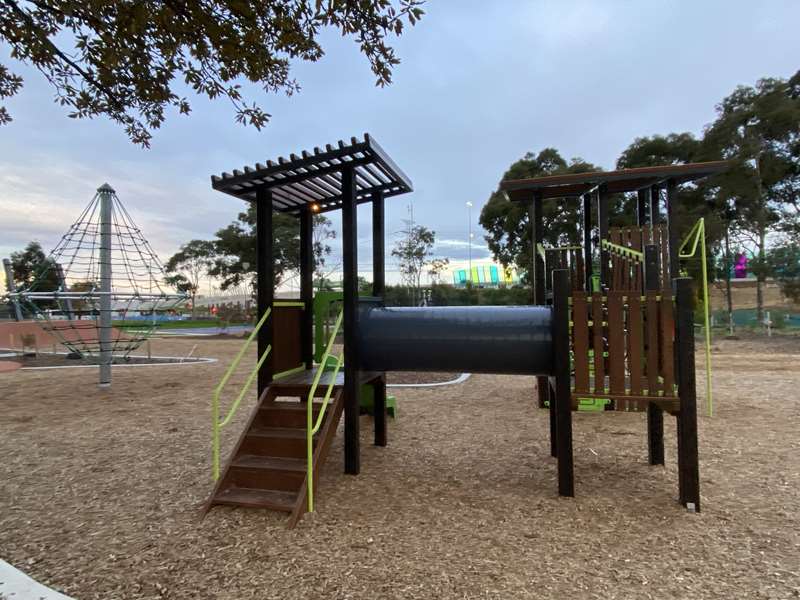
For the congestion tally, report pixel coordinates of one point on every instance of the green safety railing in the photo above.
(216, 424)
(312, 426)
(623, 251)
(697, 240)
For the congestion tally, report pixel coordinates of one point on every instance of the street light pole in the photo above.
(469, 240)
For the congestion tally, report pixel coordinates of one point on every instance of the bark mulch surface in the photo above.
(100, 494)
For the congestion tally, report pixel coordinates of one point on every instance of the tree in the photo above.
(32, 267)
(758, 129)
(508, 223)
(132, 61)
(784, 266)
(34, 271)
(235, 246)
(415, 251)
(188, 265)
(694, 201)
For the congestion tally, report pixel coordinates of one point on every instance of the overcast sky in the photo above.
(480, 84)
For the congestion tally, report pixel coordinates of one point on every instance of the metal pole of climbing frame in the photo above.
(106, 193)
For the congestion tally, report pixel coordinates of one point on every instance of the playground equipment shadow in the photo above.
(100, 494)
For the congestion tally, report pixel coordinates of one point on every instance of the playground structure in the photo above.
(621, 332)
(484, 276)
(103, 265)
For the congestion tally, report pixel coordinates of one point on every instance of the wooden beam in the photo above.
(587, 241)
(655, 415)
(561, 367)
(307, 284)
(602, 222)
(352, 448)
(378, 246)
(265, 277)
(688, 462)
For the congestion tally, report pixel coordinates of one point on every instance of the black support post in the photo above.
(602, 222)
(307, 284)
(265, 268)
(655, 416)
(378, 247)
(539, 289)
(688, 461)
(379, 410)
(352, 449)
(655, 205)
(641, 208)
(379, 290)
(538, 295)
(587, 241)
(672, 228)
(563, 394)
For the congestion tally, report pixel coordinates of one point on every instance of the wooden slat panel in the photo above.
(598, 345)
(580, 336)
(616, 343)
(663, 245)
(580, 281)
(632, 403)
(635, 347)
(667, 344)
(652, 350)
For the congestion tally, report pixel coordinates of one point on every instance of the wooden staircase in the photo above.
(267, 468)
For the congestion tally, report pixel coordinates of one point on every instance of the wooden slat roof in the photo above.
(625, 180)
(316, 177)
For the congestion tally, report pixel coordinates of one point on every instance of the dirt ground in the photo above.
(100, 494)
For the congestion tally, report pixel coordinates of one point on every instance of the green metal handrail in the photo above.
(623, 251)
(216, 424)
(312, 427)
(696, 238)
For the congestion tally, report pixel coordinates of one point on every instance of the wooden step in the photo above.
(288, 442)
(285, 414)
(253, 498)
(266, 472)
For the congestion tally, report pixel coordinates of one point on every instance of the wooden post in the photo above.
(563, 395)
(602, 221)
(307, 284)
(655, 416)
(688, 461)
(265, 269)
(672, 228)
(587, 241)
(641, 208)
(379, 290)
(352, 449)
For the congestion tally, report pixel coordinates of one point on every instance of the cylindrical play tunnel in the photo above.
(474, 339)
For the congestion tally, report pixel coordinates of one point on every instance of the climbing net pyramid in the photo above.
(109, 284)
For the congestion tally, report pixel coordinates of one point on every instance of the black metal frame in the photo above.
(315, 178)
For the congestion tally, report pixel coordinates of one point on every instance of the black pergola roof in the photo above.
(625, 180)
(315, 178)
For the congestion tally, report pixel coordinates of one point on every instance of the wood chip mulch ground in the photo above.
(100, 494)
